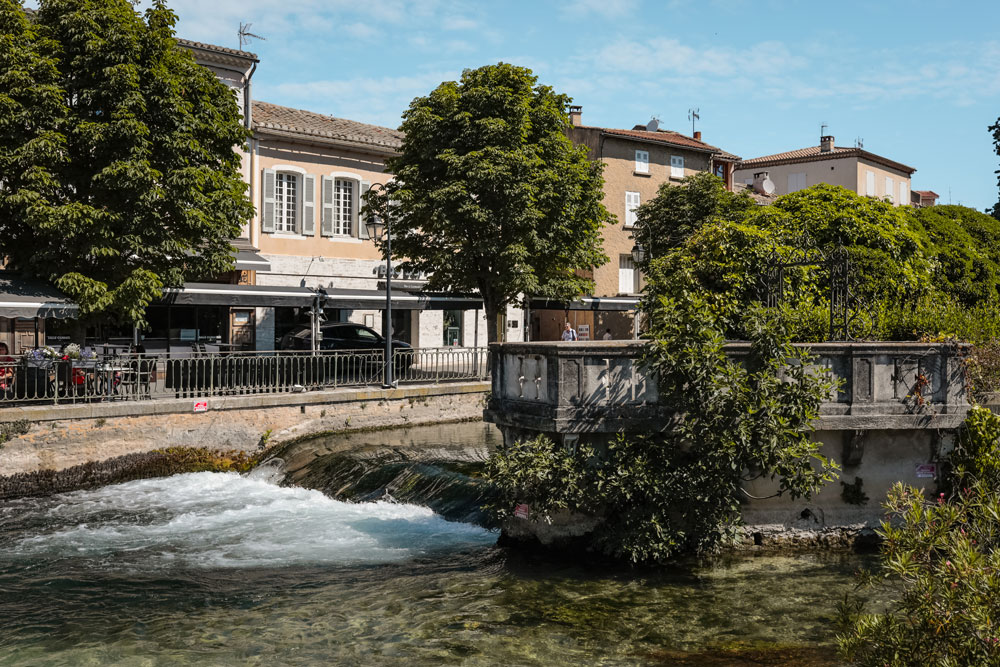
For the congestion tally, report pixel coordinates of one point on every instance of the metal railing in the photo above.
(134, 377)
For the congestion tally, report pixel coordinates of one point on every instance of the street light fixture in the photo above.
(638, 253)
(379, 229)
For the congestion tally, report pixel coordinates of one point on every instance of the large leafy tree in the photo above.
(118, 174)
(492, 195)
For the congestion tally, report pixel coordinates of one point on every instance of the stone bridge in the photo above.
(892, 418)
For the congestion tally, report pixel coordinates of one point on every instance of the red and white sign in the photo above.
(926, 470)
(201, 406)
(522, 511)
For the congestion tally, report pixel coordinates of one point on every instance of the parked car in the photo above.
(338, 336)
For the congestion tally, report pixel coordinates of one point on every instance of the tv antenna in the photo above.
(246, 35)
(693, 116)
(859, 142)
(822, 128)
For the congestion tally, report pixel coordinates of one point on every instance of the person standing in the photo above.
(569, 333)
(607, 334)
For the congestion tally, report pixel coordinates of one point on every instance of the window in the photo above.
(870, 183)
(628, 275)
(676, 166)
(642, 162)
(796, 182)
(889, 189)
(343, 206)
(453, 328)
(631, 204)
(285, 201)
(904, 196)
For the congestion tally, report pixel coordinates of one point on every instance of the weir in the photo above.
(893, 417)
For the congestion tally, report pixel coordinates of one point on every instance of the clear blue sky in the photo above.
(918, 81)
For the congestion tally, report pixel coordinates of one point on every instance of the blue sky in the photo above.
(918, 81)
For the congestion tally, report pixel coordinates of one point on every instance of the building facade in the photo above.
(853, 168)
(637, 162)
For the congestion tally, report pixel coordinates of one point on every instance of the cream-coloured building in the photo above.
(853, 168)
(637, 162)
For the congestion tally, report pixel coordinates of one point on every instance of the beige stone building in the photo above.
(636, 162)
(853, 168)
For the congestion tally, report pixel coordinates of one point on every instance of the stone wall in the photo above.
(64, 436)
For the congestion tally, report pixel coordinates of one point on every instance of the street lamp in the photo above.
(638, 253)
(378, 228)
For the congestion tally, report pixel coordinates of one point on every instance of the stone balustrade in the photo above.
(603, 387)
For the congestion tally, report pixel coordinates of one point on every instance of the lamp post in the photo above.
(379, 228)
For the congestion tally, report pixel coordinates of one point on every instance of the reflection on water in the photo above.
(213, 568)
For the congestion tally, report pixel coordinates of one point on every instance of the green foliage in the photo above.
(930, 273)
(9, 430)
(490, 193)
(116, 154)
(995, 129)
(679, 490)
(940, 567)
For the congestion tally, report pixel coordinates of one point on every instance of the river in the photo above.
(223, 569)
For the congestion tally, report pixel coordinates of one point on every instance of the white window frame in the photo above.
(300, 176)
(344, 215)
(354, 232)
(628, 275)
(889, 187)
(796, 181)
(676, 166)
(870, 183)
(632, 202)
(641, 162)
(904, 193)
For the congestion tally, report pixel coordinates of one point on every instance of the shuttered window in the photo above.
(631, 204)
(676, 166)
(904, 195)
(642, 162)
(889, 187)
(870, 183)
(628, 275)
(796, 182)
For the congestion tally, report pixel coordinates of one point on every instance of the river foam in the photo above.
(224, 520)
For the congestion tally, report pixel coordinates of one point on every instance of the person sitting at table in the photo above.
(7, 364)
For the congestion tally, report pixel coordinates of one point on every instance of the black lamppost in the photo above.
(638, 257)
(379, 228)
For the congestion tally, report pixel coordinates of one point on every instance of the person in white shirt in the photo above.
(569, 333)
(607, 334)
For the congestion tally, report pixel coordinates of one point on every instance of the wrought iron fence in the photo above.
(133, 377)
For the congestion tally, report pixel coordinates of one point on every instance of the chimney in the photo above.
(576, 115)
(697, 135)
(762, 183)
(825, 144)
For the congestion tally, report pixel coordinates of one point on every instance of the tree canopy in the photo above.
(915, 273)
(491, 195)
(118, 174)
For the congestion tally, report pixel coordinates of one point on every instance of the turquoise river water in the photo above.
(368, 550)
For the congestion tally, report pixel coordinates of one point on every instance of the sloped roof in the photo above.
(285, 120)
(815, 153)
(191, 44)
(926, 193)
(668, 137)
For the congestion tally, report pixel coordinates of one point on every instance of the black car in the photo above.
(339, 336)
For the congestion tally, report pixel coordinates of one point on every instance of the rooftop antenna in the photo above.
(859, 142)
(693, 116)
(246, 35)
(822, 128)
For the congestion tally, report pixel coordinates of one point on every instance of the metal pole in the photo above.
(387, 381)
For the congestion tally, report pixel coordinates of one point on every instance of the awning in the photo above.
(359, 299)
(588, 303)
(20, 297)
(247, 260)
(212, 294)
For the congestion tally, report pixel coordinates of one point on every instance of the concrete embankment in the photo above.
(83, 436)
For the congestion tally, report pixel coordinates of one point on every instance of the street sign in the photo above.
(522, 511)
(926, 470)
(201, 406)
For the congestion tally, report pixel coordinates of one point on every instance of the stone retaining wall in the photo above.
(60, 437)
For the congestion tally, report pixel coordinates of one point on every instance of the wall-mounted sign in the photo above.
(926, 470)
(583, 332)
(201, 406)
(522, 511)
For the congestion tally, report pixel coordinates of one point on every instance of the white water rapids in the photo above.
(225, 520)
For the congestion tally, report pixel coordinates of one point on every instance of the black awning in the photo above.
(20, 297)
(247, 260)
(588, 303)
(358, 299)
(212, 294)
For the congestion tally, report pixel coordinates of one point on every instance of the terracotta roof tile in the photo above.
(926, 193)
(814, 153)
(269, 116)
(191, 44)
(668, 137)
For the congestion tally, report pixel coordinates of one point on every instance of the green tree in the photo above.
(995, 129)
(939, 568)
(118, 174)
(491, 195)
(965, 246)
